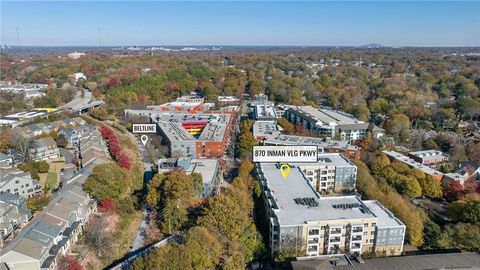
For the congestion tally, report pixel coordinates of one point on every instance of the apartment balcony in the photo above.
(336, 231)
(335, 240)
(313, 241)
(356, 230)
(355, 246)
(313, 232)
(356, 238)
(312, 249)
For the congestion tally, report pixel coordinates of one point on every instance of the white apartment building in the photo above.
(302, 220)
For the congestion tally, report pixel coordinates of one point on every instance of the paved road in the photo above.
(139, 241)
(78, 101)
(127, 260)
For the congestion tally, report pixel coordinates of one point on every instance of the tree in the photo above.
(399, 126)
(431, 187)
(37, 203)
(471, 185)
(409, 214)
(69, 263)
(124, 162)
(107, 206)
(245, 144)
(23, 146)
(454, 191)
(96, 236)
(288, 128)
(107, 181)
(463, 236)
(62, 141)
(432, 235)
(197, 183)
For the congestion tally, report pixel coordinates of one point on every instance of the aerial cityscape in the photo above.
(240, 135)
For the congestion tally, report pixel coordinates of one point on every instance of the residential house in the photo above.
(50, 235)
(13, 213)
(6, 161)
(44, 149)
(18, 182)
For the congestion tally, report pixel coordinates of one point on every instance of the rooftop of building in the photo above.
(205, 167)
(289, 212)
(385, 217)
(412, 163)
(262, 128)
(228, 98)
(282, 139)
(326, 116)
(425, 154)
(328, 159)
(214, 130)
(262, 111)
(468, 260)
(45, 142)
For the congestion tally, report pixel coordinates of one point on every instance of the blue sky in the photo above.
(428, 23)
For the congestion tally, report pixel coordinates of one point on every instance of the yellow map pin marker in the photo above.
(285, 169)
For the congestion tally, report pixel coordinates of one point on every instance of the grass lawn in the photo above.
(52, 179)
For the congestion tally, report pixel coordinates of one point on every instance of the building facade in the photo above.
(44, 149)
(301, 220)
(19, 183)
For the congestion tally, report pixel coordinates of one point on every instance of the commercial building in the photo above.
(28, 90)
(75, 55)
(14, 120)
(209, 169)
(18, 182)
(264, 112)
(267, 133)
(192, 104)
(395, 156)
(331, 123)
(429, 157)
(223, 101)
(197, 135)
(44, 149)
(51, 234)
(13, 213)
(300, 219)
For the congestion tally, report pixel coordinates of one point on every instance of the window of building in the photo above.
(374, 224)
(365, 225)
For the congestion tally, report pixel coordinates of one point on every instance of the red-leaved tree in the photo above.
(454, 191)
(69, 263)
(124, 162)
(107, 206)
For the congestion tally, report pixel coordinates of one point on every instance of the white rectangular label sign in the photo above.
(285, 153)
(144, 128)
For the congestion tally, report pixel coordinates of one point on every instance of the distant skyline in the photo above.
(70, 23)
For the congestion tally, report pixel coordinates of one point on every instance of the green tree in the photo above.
(398, 125)
(431, 187)
(432, 235)
(107, 181)
(62, 141)
(463, 236)
(38, 202)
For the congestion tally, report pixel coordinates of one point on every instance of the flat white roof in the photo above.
(327, 116)
(285, 191)
(412, 163)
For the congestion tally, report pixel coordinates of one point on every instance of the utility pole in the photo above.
(18, 36)
(99, 40)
